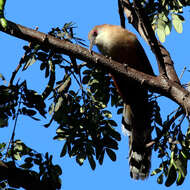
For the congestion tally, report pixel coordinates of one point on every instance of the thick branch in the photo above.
(150, 36)
(121, 13)
(141, 23)
(158, 84)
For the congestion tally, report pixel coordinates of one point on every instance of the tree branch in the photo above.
(141, 23)
(21, 178)
(157, 84)
(121, 13)
(166, 127)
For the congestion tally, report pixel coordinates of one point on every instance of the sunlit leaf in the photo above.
(161, 34)
(168, 28)
(65, 85)
(156, 171)
(172, 175)
(58, 104)
(107, 114)
(177, 23)
(160, 179)
(30, 61)
(80, 159)
(17, 156)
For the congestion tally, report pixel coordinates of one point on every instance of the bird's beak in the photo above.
(91, 45)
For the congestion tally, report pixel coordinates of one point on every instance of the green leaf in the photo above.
(168, 27)
(162, 16)
(101, 158)
(160, 179)
(111, 154)
(177, 23)
(58, 104)
(59, 131)
(51, 108)
(107, 114)
(110, 143)
(65, 86)
(80, 159)
(156, 171)
(19, 147)
(113, 133)
(59, 137)
(74, 150)
(64, 150)
(2, 77)
(17, 156)
(180, 179)
(92, 162)
(3, 23)
(161, 24)
(30, 62)
(161, 34)
(171, 177)
(181, 165)
(2, 145)
(161, 30)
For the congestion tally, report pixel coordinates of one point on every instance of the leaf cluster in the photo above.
(36, 165)
(84, 122)
(18, 99)
(173, 150)
(163, 14)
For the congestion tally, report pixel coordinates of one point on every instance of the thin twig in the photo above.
(166, 128)
(19, 65)
(13, 133)
(16, 71)
(182, 73)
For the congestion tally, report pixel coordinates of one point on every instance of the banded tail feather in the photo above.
(139, 154)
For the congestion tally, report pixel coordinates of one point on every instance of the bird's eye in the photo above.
(95, 33)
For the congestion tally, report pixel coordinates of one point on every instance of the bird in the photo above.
(121, 45)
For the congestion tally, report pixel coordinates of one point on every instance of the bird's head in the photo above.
(100, 36)
(92, 36)
(113, 41)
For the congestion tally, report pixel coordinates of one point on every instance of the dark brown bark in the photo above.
(141, 23)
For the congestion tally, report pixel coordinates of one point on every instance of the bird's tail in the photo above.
(136, 124)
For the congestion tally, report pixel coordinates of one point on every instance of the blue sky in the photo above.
(86, 14)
